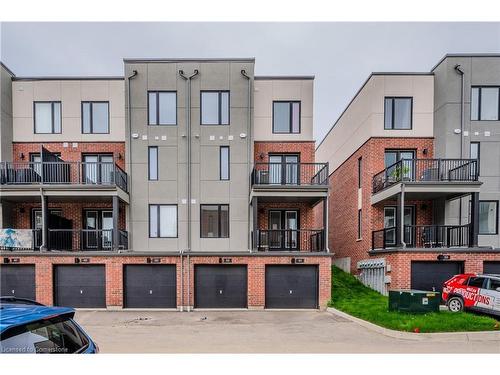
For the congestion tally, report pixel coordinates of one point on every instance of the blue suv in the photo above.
(29, 327)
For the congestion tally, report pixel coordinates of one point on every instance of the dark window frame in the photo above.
(393, 111)
(228, 163)
(157, 112)
(398, 151)
(290, 125)
(478, 155)
(91, 120)
(157, 163)
(360, 224)
(496, 219)
(360, 172)
(158, 221)
(52, 102)
(219, 218)
(479, 100)
(219, 122)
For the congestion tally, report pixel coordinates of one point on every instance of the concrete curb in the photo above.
(443, 336)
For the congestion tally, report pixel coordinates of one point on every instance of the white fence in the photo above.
(372, 274)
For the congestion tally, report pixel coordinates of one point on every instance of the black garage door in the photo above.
(80, 286)
(18, 281)
(489, 267)
(292, 287)
(148, 285)
(220, 286)
(432, 275)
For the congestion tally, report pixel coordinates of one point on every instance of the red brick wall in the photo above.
(70, 153)
(305, 149)
(343, 205)
(114, 275)
(400, 263)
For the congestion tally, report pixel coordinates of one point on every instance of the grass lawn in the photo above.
(352, 297)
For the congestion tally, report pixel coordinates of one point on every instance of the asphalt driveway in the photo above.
(253, 332)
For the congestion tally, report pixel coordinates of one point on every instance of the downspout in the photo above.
(128, 154)
(462, 89)
(402, 216)
(188, 130)
(249, 151)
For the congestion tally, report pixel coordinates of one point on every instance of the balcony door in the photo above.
(283, 229)
(98, 169)
(98, 233)
(396, 171)
(390, 224)
(284, 169)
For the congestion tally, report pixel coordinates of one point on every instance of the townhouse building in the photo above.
(186, 183)
(414, 183)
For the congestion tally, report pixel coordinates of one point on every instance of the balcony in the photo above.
(290, 174)
(423, 237)
(63, 173)
(427, 179)
(303, 240)
(62, 239)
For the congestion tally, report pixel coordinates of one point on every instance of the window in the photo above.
(162, 107)
(95, 117)
(488, 217)
(360, 165)
(153, 163)
(360, 225)
(475, 153)
(398, 113)
(393, 156)
(494, 284)
(51, 335)
(224, 162)
(163, 220)
(47, 117)
(215, 108)
(477, 282)
(214, 221)
(286, 117)
(485, 103)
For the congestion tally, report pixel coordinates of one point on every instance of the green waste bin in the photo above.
(414, 301)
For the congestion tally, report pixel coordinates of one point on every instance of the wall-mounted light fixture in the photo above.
(262, 156)
(120, 156)
(425, 151)
(22, 156)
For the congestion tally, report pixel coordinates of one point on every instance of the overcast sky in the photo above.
(340, 55)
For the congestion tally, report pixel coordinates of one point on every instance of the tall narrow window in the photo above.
(95, 117)
(162, 107)
(153, 163)
(224, 162)
(360, 171)
(360, 224)
(488, 217)
(398, 113)
(214, 221)
(485, 103)
(163, 220)
(286, 117)
(475, 154)
(215, 108)
(47, 117)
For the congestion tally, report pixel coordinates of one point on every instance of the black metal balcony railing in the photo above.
(71, 240)
(307, 240)
(290, 174)
(73, 173)
(423, 236)
(426, 170)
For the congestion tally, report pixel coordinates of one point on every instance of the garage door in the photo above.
(432, 275)
(18, 281)
(292, 287)
(220, 286)
(80, 286)
(491, 267)
(150, 286)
